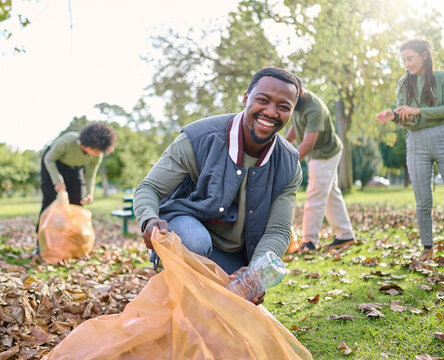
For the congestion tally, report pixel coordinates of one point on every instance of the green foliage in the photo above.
(135, 154)
(18, 170)
(198, 79)
(366, 160)
(7, 15)
(137, 149)
(394, 157)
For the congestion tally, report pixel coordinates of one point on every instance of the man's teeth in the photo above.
(265, 123)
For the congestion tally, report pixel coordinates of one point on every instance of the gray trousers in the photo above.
(423, 148)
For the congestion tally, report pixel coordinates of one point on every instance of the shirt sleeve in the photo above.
(91, 172)
(276, 237)
(434, 112)
(177, 162)
(54, 153)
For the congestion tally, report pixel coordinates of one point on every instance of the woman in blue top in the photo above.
(420, 109)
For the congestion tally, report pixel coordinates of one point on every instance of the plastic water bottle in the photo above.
(263, 273)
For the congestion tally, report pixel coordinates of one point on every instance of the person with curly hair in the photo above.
(63, 162)
(420, 109)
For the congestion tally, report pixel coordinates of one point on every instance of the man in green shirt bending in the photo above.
(313, 131)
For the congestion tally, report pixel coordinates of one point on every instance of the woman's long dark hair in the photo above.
(409, 80)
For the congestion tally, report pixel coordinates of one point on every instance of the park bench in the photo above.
(126, 213)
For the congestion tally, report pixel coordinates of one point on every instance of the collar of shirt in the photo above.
(235, 142)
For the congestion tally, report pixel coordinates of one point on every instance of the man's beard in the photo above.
(258, 140)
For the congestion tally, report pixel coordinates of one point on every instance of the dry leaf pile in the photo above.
(36, 314)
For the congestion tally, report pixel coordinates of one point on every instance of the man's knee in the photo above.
(195, 237)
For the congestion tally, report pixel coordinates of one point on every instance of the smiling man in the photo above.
(227, 184)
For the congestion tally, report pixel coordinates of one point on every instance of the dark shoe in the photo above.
(36, 251)
(155, 259)
(339, 244)
(307, 246)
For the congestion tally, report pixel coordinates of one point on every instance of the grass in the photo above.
(389, 238)
(394, 196)
(30, 206)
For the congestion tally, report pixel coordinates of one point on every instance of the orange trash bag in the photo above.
(65, 230)
(183, 312)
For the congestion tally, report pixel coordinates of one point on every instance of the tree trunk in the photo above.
(406, 177)
(345, 178)
(105, 183)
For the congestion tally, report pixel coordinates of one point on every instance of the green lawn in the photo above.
(393, 196)
(30, 206)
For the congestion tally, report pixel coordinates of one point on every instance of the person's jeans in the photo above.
(196, 238)
(423, 148)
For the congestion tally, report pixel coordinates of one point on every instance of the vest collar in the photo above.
(235, 140)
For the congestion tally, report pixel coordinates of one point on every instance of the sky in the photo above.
(83, 52)
(65, 72)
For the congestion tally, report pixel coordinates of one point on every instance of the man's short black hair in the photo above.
(98, 135)
(277, 73)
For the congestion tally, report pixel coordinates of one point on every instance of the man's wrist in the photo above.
(395, 116)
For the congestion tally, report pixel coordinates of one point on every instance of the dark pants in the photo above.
(74, 182)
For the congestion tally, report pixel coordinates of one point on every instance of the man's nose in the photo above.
(271, 110)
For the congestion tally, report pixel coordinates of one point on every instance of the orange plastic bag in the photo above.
(65, 230)
(183, 312)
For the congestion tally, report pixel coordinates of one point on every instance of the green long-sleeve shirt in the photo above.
(430, 115)
(177, 162)
(67, 150)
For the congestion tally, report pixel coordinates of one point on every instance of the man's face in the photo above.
(268, 107)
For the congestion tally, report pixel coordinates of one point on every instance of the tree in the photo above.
(198, 79)
(351, 57)
(7, 14)
(18, 171)
(366, 160)
(394, 156)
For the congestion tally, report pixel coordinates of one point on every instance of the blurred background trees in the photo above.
(345, 51)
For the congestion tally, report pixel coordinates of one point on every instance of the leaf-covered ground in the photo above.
(373, 300)
(40, 304)
(370, 301)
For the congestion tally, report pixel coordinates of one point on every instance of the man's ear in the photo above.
(245, 98)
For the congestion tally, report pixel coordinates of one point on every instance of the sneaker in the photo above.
(307, 246)
(339, 244)
(427, 254)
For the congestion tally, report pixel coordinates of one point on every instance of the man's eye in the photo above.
(262, 100)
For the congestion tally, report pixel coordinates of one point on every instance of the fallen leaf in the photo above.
(345, 349)
(367, 307)
(425, 287)
(314, 299)
(375, 314)
(439, 336)
(394, 305)
(9, 353)
(334, 293)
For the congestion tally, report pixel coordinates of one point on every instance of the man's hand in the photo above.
(60, 186)
(152, 223)
(88, 199)
(258, 299)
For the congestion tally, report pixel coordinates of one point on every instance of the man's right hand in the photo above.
(152, 223)
(60, 186)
